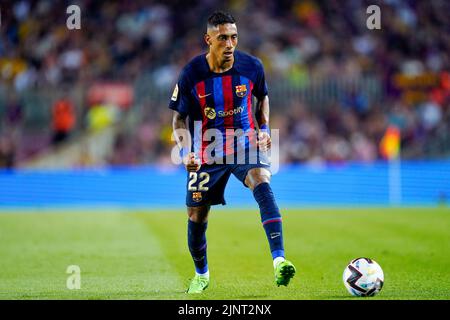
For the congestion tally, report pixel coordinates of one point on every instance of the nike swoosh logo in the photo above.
(274, 235)
(201, 97)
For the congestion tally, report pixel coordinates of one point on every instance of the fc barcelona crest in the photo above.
(197, 196)
(241, 90)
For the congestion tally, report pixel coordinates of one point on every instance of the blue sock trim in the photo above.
(202, 270)
(277, 253)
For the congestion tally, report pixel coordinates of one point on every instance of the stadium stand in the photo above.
(335, 86)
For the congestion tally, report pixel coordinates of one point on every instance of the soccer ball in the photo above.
(363, 277)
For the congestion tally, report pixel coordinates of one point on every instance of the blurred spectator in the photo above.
(14, 112)
(7, 159)
(64, 119)
(101, 116)
(14, 116)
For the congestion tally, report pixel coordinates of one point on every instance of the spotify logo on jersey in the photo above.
(210, 113)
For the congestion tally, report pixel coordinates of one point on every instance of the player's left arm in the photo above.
(262, 113)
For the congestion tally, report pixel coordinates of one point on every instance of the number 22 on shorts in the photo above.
(204, 179)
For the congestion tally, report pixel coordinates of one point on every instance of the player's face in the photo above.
(222, 40)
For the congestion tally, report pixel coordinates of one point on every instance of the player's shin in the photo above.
(197, 246)
(271, 219)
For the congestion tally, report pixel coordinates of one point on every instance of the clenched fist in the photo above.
(264, 141)
(191, 162)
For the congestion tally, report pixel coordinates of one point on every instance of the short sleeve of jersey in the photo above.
(181, 96)
(260, 90)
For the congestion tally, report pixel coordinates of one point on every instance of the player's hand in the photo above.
(191, 162)
(264, 141)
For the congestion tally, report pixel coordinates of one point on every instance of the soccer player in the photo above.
(215, 91)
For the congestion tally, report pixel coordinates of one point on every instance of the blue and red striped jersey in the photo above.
(221, 101)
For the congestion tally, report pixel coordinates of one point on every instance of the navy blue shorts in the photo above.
(207, 185)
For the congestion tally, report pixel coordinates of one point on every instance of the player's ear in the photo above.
(207, 38)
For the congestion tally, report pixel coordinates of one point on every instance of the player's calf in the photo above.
(270, 218)
(272, 223)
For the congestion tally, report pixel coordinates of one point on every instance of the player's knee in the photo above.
(198, 217)
(198, 214)
(257, 176)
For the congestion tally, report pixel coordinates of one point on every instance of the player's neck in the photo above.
(218, 65)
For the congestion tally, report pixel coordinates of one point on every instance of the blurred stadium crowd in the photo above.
(144, 44)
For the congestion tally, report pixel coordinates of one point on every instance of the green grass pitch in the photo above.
(144, 255)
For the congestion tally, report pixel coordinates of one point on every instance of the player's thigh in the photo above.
(252, 174)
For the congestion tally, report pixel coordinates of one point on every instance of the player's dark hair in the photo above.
(220, 17)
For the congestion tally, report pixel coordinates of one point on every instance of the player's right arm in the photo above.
(191, 163)
(180, 103)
